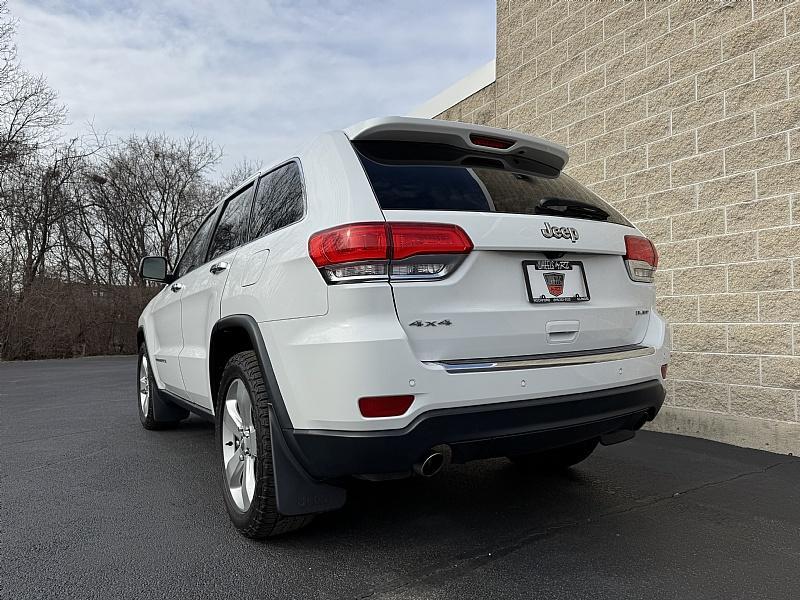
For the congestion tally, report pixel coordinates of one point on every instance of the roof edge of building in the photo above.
(452, 95)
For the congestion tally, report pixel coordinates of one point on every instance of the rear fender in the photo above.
(296, 492)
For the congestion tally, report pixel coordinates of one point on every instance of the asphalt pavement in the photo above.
(94, 506)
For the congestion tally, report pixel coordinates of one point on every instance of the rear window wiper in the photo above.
(569, 207)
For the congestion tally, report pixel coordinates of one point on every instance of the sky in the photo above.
(257, 77)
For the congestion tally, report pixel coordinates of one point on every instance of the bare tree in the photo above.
(36, 195)
(76, 216)
(8, 50)
(30, 113)
(237, 174)
(151, 191)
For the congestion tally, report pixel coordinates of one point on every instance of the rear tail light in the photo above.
(641, 258)
(384, 406)
(383, 251)
(357, 242)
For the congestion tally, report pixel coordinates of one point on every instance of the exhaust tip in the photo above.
(432, 465)
(434, 462)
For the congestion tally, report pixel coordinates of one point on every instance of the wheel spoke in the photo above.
(230, 419)
(233, 472)
(245, 406)
(249, 482)
(232, 413)
(252, 444)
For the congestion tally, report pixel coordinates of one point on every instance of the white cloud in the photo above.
(254, 76)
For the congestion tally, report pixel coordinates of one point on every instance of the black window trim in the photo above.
(259, 177)
(242, 189)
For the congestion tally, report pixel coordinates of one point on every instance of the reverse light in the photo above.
(641, 258)
(490, 142)
(362, 252)
(409, 270)
(663, 371)
(358, 271)
(384, 406)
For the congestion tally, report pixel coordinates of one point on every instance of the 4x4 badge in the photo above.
(443, 323)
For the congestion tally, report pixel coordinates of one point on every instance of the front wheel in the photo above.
(243, 439)
(147, 398)
(556, 458)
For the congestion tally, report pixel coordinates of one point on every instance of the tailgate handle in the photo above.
(562, 332)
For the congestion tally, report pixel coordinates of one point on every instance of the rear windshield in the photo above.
(423, 176)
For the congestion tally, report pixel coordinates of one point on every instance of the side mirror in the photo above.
(154, 268)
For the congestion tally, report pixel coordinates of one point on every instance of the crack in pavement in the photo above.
(472, 561)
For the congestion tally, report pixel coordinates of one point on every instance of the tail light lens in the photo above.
(411, 239)
(357, 252)
(358, 242)
(641, 258)
(383, 251)
(490, 142)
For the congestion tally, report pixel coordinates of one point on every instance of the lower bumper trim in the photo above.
(483, 431)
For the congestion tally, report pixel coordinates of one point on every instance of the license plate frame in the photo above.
(555, 266)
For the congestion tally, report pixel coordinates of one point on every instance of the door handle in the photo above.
(176, 287)
(219, 267)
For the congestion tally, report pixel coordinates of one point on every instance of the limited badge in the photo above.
(555, 283)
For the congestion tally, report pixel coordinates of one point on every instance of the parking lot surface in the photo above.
(94, 506)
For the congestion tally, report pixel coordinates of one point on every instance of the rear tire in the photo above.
(556, 459)
(245, 448)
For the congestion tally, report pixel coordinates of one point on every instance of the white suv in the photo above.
(402, 294)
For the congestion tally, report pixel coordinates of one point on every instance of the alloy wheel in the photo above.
(239, 445)
(144, 386)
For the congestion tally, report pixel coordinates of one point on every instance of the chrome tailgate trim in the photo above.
(542, 360)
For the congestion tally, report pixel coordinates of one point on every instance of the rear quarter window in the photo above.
(279, 200)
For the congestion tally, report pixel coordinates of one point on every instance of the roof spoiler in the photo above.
(461, 135)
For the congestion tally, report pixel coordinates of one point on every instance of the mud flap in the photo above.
(295, 492)
(165, 411)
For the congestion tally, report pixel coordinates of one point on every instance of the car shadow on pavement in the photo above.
(489, 499)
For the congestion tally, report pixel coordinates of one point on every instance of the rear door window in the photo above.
(230, 232)
(423, 176)
(195, 252)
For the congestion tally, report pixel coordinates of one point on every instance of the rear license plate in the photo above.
(555, 281)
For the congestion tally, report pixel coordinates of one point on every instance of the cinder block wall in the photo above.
(686, 116)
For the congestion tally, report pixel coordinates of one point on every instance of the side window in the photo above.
(229, 232)
(279, 200)
(195, 251)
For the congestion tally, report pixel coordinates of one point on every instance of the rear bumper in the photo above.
(324, 365)
(475, 432)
